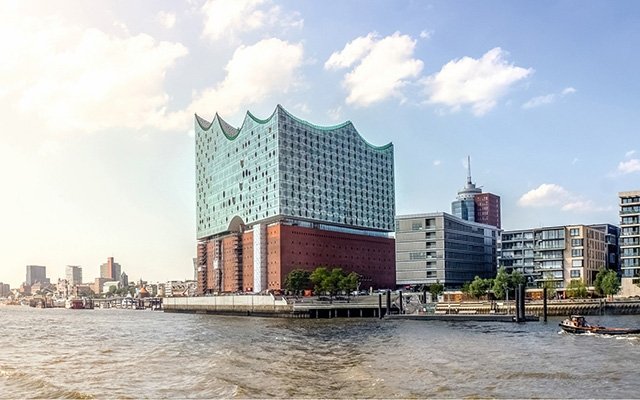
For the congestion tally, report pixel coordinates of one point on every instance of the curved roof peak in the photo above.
(231, 132)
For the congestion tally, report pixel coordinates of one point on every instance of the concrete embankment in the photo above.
(232, 305)
(268, 305)
(554, 307)
(585, 307)
(373, 307)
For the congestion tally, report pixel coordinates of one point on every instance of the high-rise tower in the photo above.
(473, 205)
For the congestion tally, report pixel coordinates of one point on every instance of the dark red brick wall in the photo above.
(307, 248)
(292, 247)
(487, 209)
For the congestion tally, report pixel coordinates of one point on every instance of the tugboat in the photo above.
(578, 324)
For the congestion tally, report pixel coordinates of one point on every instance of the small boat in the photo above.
(577, 324)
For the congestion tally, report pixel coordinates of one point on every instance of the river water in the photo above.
(59, 353)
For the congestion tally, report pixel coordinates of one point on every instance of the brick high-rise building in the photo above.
(280, 194)
(487, 209)
(110, 269)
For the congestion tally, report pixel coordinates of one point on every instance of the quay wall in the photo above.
(554, 308)
(266, 305)
(592, 307)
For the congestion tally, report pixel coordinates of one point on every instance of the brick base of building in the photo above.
(227, 264)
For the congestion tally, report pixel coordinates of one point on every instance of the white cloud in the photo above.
(545, 195)
(437, 163)
(245, 84)
(426, 35)
(166, 19)
(384, 67)
(629, 153)
(552, 195)
(478, 83)
(85, 80)
(230, 18)
(302, 108)
(548, 99)
(352, 52)
(335, 114)
(630, 166)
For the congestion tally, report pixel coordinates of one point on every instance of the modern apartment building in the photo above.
(36, 273)
(281, 193)
(559, 254)
(73, 274)
(473, 205)
(441, 247)
(630, 234)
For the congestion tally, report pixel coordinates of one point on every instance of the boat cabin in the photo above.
(578, 321)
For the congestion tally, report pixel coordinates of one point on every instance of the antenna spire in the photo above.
(469, 170)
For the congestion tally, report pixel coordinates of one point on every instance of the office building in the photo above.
(36, 273)
(281, 194)
(473, 205)
(110, 269)
(73, 275)
(630, 234)
(441, 247)
(124, 279)
(5, 290)
(559, 254)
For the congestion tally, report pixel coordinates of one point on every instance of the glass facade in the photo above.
(441, 247)
(283, 167)
(630, 233)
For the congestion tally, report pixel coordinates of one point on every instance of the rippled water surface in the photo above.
(59, 353)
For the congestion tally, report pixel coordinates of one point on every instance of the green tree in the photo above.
(610, 283)
(318, 277)
(548, 283)
(517, 278)
(436, 290)
(501, 283)
(332, 281)
(112, 289)
(297, 281)
(479, 287)
(607, 282)
(466, 288)
(349, 283)
(576, 289)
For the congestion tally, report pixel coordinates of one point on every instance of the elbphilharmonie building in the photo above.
(280, 194)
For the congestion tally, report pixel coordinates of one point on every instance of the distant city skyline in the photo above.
(97, 101)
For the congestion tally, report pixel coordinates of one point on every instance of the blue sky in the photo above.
(97, 102)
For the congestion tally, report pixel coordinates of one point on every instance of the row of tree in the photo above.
(324, 281)
(606, 283)
(332, 281)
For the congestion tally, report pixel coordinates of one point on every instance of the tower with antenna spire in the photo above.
(473, 205)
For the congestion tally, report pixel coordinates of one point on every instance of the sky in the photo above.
(97, 102)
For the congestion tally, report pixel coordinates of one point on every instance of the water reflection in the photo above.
(134, 354)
